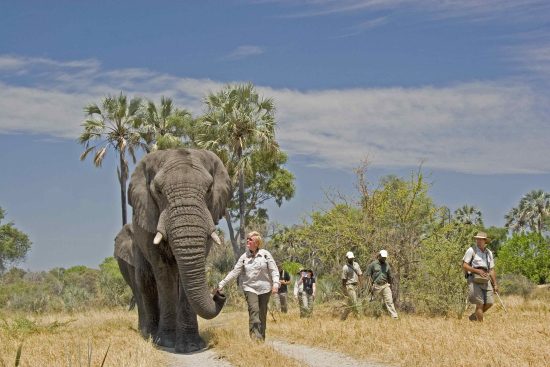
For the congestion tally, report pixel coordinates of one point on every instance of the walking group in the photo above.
(261, 277)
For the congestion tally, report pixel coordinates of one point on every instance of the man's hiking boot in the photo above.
(472, 317)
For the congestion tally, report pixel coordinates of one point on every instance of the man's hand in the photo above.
(274, 290)
(482, 272)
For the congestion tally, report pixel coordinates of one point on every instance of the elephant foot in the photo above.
(167, 340)
(189, 343)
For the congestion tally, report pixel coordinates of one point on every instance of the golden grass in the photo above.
(520, 337)
(64, 340)
(228, 335)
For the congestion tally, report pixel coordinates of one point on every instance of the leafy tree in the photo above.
(532, 212)
(238, 124)
(497, 235)
(266, 180)
(112, 286)
(164, 126)
(437, 286)
(394, 216)
(469, 215)
(14, 244)
(526, 254)
(113, 125)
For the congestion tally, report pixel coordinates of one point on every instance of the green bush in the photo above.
(516, 284)
(437, 285)
(526, 254)
(113, 290)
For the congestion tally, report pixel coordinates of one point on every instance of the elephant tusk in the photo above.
(158, 238)
(216, 238)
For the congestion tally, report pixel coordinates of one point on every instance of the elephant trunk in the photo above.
(189, 229)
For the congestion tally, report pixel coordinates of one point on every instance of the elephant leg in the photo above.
(147, 297)
(187, 334)
(167, 281)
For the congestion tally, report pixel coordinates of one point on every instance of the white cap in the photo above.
(383, 253)
(349, 255)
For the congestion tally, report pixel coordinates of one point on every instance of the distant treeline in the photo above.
(74, 289)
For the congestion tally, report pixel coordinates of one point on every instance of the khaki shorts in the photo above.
(480, 294)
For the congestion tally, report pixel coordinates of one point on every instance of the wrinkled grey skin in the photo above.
(181, 193)
(124, 255)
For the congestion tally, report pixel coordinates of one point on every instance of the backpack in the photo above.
(466, 273)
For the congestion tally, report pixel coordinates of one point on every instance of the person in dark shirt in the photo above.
(380, 275)
(308, 290)
(280, 297)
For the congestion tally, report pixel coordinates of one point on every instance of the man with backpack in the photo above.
(352, 276)
(479, 263)
(380, 275)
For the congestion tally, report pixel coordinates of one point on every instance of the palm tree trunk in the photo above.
(241, 210)
(234, 244)
(122, 179)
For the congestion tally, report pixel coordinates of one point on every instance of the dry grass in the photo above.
(65, 340)
(228, 334)
(518, 338)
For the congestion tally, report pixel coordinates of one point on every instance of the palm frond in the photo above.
(99, 155)
(85, 153)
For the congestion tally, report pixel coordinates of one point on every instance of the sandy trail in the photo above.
(309, 356)
(318, 357)
(203, 358)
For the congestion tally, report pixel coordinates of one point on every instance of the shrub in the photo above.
(525, 254)
(516, 284)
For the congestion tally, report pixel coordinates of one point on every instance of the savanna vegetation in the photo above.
(78, 315)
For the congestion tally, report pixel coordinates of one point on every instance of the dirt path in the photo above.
(204, 358)
(317, 357)
(309, 356)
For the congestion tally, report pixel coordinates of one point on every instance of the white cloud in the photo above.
(472, 10)
(244, 51)
(477, 127)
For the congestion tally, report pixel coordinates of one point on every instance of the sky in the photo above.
(459, 87)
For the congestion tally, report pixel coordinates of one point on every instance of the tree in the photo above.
(266, 180)
(238, 123)
(526, 254)
(14, 244)
(113, 125)
(164, 126)
(469, 215)
(533, 211)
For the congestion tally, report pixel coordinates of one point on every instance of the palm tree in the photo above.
(468, 214)
(237, 123)
(516, 221)
(532, 212)
(113, 126)
(535, 206)
(164, 126)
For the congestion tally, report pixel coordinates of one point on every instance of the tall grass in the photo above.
(95, 338)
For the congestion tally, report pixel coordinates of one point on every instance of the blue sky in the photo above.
(462, 86)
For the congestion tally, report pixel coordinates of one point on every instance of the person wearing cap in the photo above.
(260, 278)
(380, 275)
(479, 263)
(305, 290)
(352, 276)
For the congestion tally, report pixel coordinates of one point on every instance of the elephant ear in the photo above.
(123, 244)
(221, 188)
(146, 211)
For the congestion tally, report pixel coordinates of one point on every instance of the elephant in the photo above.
(178, 197)
(124, 255)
